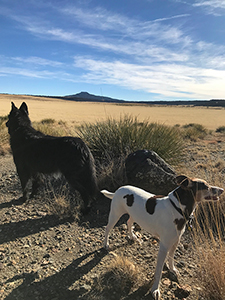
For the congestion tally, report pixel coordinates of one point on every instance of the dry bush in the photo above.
(111, 173)
(209, 245)
(60, 202)
(53, 127)
(210, 249)
(194, 131)
(117, 281)
(208, 235)
(212, 273)
(4, 137)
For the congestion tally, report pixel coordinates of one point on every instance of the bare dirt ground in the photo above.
(45, 257)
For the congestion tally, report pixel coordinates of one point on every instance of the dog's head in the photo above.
(18, 117)
(199, 188)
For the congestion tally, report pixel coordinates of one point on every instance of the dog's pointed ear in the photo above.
(184, 181)
(24, 108)
(13, 106)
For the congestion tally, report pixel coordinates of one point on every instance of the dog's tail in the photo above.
(108, 194)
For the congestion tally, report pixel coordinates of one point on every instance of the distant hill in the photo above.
(85, 96)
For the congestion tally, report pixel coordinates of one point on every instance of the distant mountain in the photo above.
(85, 96)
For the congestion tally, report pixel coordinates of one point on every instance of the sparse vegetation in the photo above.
(194, 131)
(208, 237)
(221, 129)
(52, 127)
(116, 282)
(4, 138)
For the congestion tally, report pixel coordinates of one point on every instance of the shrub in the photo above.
(116, 282)
(50, 127)
(4, 137)
(194, 131)
(48, 121)
(221, 129)
(112, 139)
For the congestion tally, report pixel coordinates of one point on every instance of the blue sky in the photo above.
(127, 49)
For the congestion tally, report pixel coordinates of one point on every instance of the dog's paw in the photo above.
(106, 247)
(156, 294)
(133, 237)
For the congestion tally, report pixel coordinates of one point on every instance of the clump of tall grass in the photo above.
(117, 281)
(52, 127)
(221, 129)
(210, 249)
(194, 131)
(112, 138)
(4, 138)
(209, 243)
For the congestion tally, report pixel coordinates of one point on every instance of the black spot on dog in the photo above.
(180, 223)
(151, 204)
(130, 199)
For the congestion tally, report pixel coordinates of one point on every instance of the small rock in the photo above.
(166, 281)
(85, 288)
(183, 291)
(181, 264)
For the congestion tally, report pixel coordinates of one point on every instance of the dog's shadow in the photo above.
(58, 285)
(13, 202)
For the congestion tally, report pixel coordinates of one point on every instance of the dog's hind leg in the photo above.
(36, 183)
(131, 234)
(113, 218)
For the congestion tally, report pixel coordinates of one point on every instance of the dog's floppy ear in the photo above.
(24, 108)
(184, 181)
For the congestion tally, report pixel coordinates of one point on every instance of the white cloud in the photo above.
(167, 80)
(39, 61)
(215, 7)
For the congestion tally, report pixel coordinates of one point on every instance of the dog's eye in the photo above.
(202, 186)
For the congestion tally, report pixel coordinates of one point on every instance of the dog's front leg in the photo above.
(171, 258)
(24, 178)
(158, 272)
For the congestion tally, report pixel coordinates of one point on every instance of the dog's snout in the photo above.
(217, 191)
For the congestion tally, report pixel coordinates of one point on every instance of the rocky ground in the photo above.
(45, 257)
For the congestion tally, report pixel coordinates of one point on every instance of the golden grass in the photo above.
(120, 276)
(79, 112)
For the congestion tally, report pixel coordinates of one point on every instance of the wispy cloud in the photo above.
(215, 7)
(39, 61)
(168, 80)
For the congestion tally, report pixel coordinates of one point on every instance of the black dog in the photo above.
(35, 153)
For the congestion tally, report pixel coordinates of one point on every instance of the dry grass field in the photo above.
(79, 112)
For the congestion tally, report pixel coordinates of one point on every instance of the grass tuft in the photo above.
(112, 139)
(118, 280)
(221, 129)
(4, 137)
(194, 131)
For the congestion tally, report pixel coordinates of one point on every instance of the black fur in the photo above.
(35, 153)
